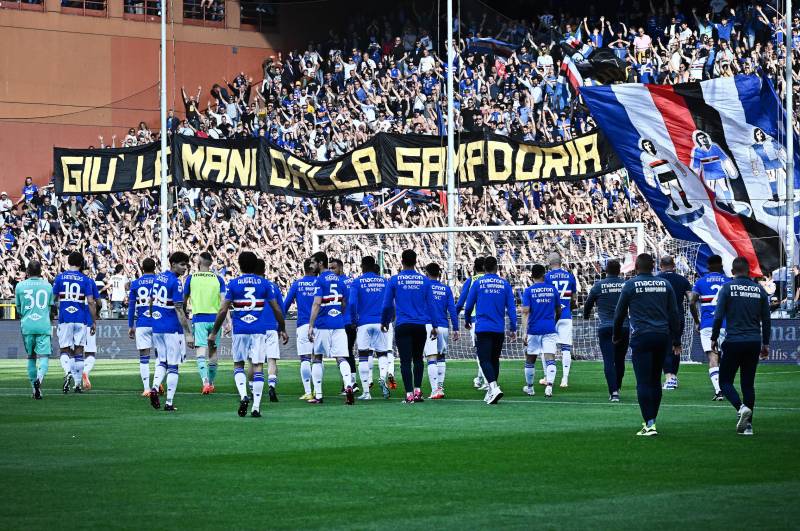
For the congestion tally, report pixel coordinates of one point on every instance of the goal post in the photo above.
(585, 249)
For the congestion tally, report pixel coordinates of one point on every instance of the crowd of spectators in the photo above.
(387, 73)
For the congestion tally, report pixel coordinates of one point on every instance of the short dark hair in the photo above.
(478, 266)
(740, 266)
(409, 258)
(248, 262)
(261, 267)
(337, 262)
(118, 268)
(613, 267)
(433, 270)
(490, 264)
(205, 256)
(75, 259)
(179, 257)
(367, 263)
(34, 268)
(538, 271)
(307, 267)
(645, 263)
(148, 265)
(714, 262)
(320, 257)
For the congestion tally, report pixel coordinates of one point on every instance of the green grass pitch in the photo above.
(107, 460)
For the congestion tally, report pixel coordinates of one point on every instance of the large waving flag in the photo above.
(707, 158)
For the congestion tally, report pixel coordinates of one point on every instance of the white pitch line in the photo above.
(18, 391)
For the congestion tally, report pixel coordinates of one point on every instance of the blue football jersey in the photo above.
(167, 291)
(347, 282)
(332, 290)
(542, 299)
(443, 305)
(87, 314)
(365, 301)
(565, 285)
(249, 294)
(268, 319)
(708, 287)
(70, 289)
(139, 301)
(301, 291)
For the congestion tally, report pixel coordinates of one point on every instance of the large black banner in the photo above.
(385, 161)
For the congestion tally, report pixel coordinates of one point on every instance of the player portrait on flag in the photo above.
(664, 172)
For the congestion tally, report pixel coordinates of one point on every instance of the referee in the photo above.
(744, 305)
(649, 304)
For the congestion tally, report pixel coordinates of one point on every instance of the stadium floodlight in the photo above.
(585, 248)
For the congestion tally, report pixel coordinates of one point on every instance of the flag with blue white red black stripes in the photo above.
(709, 159)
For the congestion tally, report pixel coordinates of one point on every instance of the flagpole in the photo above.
(789, 104)
(451, 188)
(164, 192)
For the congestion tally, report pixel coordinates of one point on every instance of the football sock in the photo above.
(344, 369)
(713, 373)
(305, 373)
(371, 366)
(77, 369)
(212, 372)
(32, 370)
(272, 379)
(433, 375)
(258, 390)
(441, 365)
(241, 381)
(202, 369)
(65, 363)
(530, 373)
(480, 371)
(364, 372)
(566, 361)
(544, 365)
(172, 382)
(88, 364)
(383, 366)
(390, 363)
(159, 373)
(44, 364)
(144, 370)
(316, 377)
(550, 371)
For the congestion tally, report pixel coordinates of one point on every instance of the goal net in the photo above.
(585, 249)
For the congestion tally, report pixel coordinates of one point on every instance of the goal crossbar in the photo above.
(316, 234)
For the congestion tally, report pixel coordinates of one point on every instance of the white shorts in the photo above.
(271, 345)
(144, 338)
(705, 338)
(170, 347)
(248, 347)
(438, 345)
(542, 344)
(72, 335)
(390, 339)
(371, 337)
(330, 342)
(91, 342)
(304, 346)
(564, 331)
